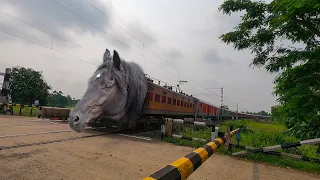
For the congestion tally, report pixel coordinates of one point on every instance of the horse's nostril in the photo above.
(76, 119)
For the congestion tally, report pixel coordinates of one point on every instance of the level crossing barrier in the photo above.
(276, 153)
(168, 128)
(185, 166)
(279, 147)
(11, 105)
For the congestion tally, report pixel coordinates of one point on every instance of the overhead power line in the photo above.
(111, 36)
(53, 35)
(101, 12)
(112, 21)
(47, 47)
(50, 48)
(208, 89)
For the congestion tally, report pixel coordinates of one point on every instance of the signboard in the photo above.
(36, 102)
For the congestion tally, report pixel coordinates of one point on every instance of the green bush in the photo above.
(256, 134)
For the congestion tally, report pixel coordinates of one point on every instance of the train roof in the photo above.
(159, 86)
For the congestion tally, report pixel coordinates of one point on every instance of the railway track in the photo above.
(145, 134)
(49, 142)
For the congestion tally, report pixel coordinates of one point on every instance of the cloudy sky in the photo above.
(171, 40)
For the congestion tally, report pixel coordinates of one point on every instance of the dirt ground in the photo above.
(110, 157)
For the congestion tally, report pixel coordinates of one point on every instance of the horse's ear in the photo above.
(106, 56)
(116, 59)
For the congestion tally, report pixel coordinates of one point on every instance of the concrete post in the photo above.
(213, 133)
(168, 127)
(216, 131)
(163, 130)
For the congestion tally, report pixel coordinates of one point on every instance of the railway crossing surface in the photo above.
(33, 149)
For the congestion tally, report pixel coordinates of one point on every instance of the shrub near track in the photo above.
(256, 134)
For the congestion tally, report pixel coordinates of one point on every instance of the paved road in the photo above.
(110, 157)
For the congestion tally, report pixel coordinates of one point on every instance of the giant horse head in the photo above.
(116, 92)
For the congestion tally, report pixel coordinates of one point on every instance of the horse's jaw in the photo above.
(78, 121)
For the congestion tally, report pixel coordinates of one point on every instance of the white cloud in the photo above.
(185, 33)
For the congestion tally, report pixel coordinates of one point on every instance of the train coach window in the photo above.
(150, 96)
(178, 103)
(164, 99)
(182, 103)
(169, 100)
(174, 102)
(157, 98)
(185, 104)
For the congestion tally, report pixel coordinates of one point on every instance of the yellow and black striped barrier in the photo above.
(185, 166)
(16, 105)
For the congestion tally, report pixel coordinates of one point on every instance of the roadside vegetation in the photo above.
(256, 134)
(283, 37)
(29, 85)
(25, 111)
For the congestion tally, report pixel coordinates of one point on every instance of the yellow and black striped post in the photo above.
(182, 168)
(11, 105)
(18, 105)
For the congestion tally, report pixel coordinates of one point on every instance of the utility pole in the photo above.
(5, 93)
(221, 106)
(180, 82)
(237, 107)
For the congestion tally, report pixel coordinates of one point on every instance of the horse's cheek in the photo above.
(118, 102)
(105, 97)
(101, 99)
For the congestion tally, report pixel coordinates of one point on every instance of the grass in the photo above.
(25, 111)
(256, 134)
(253, 125)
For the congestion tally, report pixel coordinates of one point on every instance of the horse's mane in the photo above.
(136, 83)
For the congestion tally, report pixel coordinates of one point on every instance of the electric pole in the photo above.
(6, 90)
(237, 108)
(221, 106)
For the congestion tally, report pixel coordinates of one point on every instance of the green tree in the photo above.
(265, 28)
(263, 113)
(28, 85)
(69, 101)
(57, 99)
(278, 114)
(74, 101)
